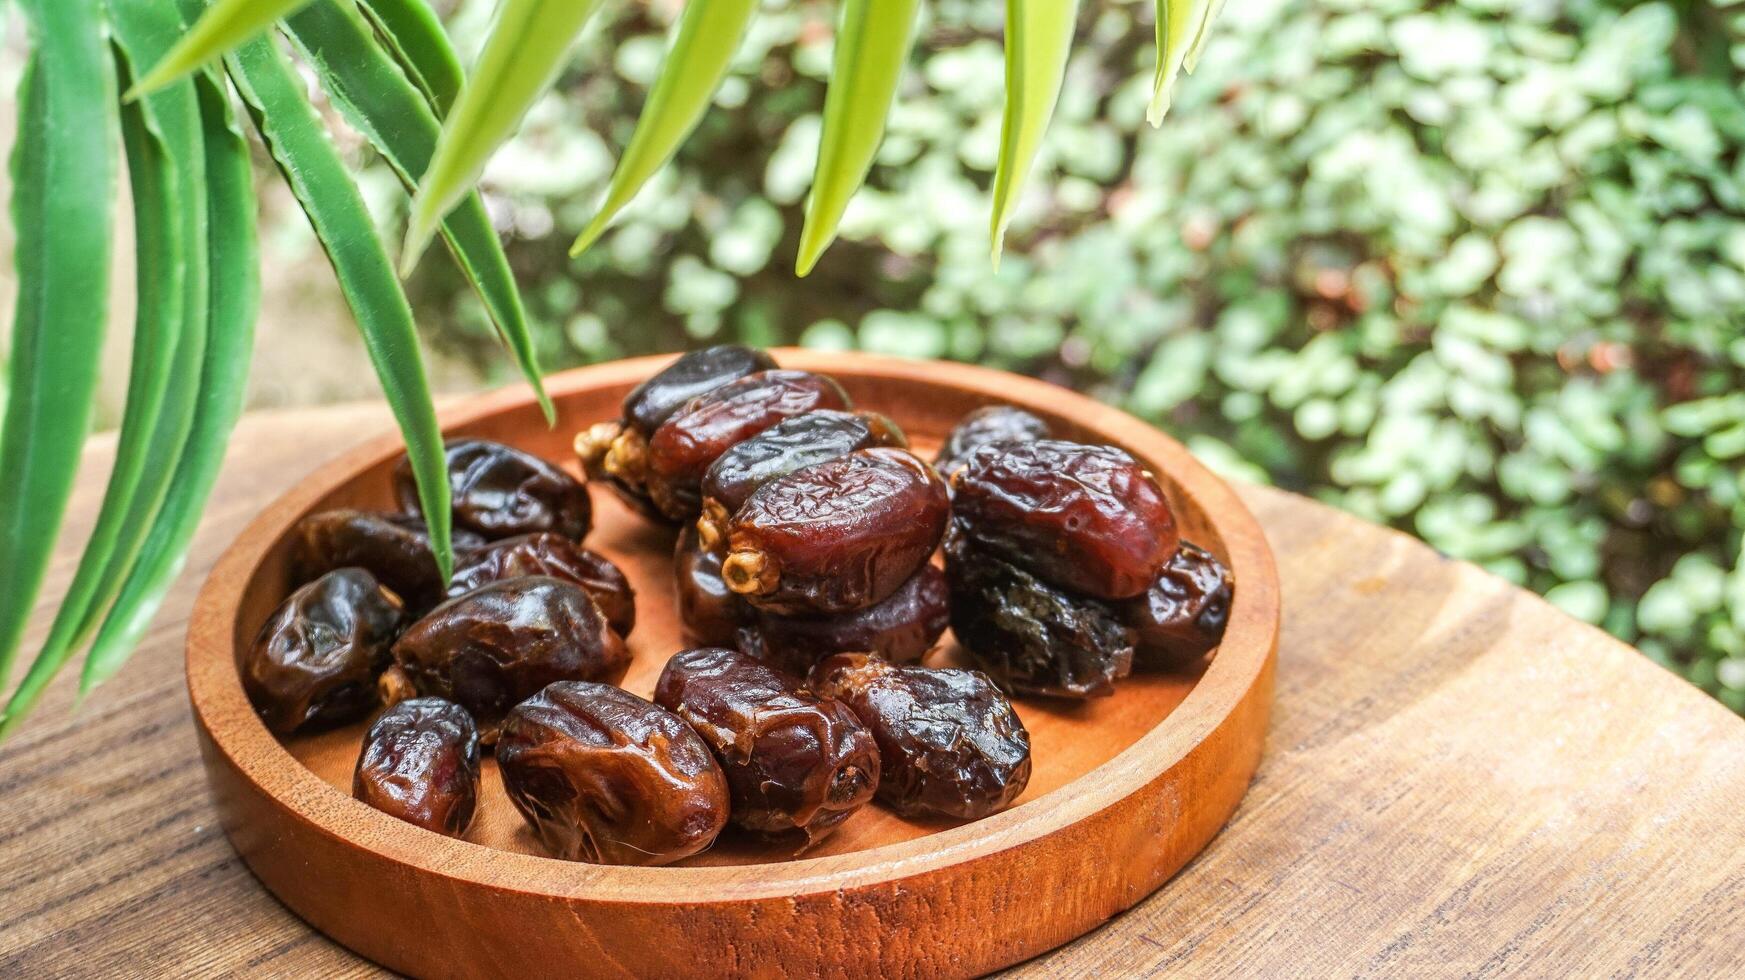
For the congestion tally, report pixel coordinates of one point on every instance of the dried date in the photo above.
(793, 761)
(316, 660)
(420, 763)
(681, 451)
(950, 743)
(1183, 614)
(838, 536)
(1086, 518)
(710, 612)
(987, 426)
(1029, 635)
(901, 628)
(606, 777)
(795, 444)
(501, 643)
(553, 556)
(394, 547)
(499, 491)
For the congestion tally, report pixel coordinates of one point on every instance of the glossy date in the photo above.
(987, 426)
(949, 742)
(315, 661)
(709, 611)
(554, 556)
(499, 491)
(606, 777)
(793, 761)
(1183, 615)
(394, 547)
(901, 628)
(420, 763)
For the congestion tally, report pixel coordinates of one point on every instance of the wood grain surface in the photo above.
(1459, 781)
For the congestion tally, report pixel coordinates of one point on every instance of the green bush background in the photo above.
(1474, 269)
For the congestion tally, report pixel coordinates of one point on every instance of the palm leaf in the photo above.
(234, 291)
(223, 26)
(708, 33)
(166, 173)
(376, 97)
(421, 46)
(335, 209)
(63, 176)
(872, 43)
(521, 58)
(1038, 40)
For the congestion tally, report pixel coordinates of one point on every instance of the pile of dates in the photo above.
(805, 576)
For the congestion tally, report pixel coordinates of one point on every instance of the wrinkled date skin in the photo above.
(606, 777)
(1030, 636)
(501, 643)
(988, 426)
(1183, 614)
(500, 491)
(553, 556)
(394, 547)
(420, 763)
(710, 612)
(1086, 518)
(901, 629)
(803, 441)
(681, 451)
(316, 660)
(949, 742)
(793, 761)
(838, 536)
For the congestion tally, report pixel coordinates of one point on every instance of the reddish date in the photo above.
(394, 547)
(793, 761)
(837, 536)
(710, 612)
(1086, 518)
(691, 375)
(681, 451)
(500, 491)
(949, 742)
(501, 643)
(803, 441)
(315, 661)
(1030, 636)
(1183, 615)
(901, 628)
(420, 763)
(988, 426)
(606, 777)
(553, 556)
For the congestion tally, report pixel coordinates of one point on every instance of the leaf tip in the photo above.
(589, 235)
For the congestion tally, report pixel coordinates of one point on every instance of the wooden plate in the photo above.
(1124, 792)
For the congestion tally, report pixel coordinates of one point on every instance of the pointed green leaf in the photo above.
(234, 298)
(416, 36)
(1038, 39)
(1178, 23)
(378, 99)
(521, 59)
(63, 182)
(872, 43)
(708, 33)
(330, 199)
(1204, 33)
(224, 25)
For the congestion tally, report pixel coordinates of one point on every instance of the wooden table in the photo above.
(1460, 780)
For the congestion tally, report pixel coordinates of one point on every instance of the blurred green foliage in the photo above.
(1474, 269)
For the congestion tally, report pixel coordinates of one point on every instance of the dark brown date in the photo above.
(394, 547)
(694, 373)
(501, 643)
(710, 612)
(688, 442)
(420, 763)
(902, 628)
(774, 453)
(1085, 518)
(500, 491)
(315, 661)
(553, 556)
(1031, 636)
(987, 426)
(793, 761)
(837, 536)
(1183, 614)
(606, 777)
(949, 742)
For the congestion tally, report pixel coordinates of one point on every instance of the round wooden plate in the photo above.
(1125, 789)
